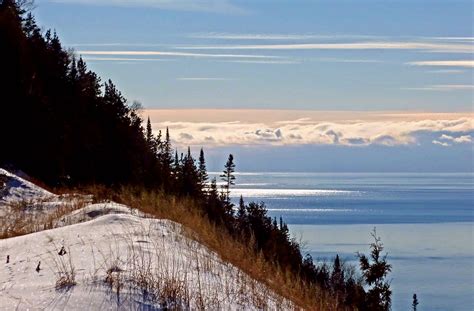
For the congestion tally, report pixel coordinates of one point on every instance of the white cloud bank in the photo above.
(385, 130)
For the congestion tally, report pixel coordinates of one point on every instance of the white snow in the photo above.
(19, 189)
(122, 261)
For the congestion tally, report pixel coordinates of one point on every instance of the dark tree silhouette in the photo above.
(150, 139)
(228, 178)
(337, 277)
(375, 270)
(415, 302)
(202, 171)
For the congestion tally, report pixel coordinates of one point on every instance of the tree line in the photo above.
(62, 124)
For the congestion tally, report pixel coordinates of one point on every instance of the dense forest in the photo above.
(61, 124)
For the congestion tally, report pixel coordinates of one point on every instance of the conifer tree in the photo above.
(202, 171)
(375, 271)
(189, 175)
(228, 178)
(415, 302)
(158, 144)
(337, 276)
(166, 157)
(167, 147)
(150, 139)
(241, 211)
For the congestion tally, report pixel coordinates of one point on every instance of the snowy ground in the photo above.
(19, 189)
(117, 259)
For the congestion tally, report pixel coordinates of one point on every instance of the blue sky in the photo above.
(365, 56)
(327, 79)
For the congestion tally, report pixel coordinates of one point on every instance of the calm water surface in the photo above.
(425, 220)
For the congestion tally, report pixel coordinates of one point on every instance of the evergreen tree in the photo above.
(202, 171)
(228, 178)
(241, 212)
(150, 139)
(415, 302)
(337, 277)
(189, 177)
(158, 144)
(375, 271)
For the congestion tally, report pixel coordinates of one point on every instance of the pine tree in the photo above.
(228, 178)
(158, 144)
(168, 172)
(415, 302)
(73, 71)
(241, 212)
(150, 139)
(375, 271)
(189, 175)
(176, 168)
(213, 193)
(337, 276)
(202, 171)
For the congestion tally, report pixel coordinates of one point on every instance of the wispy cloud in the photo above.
(175, 54)
(123, 59)
(113, 44)
(347, 60)
(380, 129)
(381, 45)
(467, 63)
(459, 140)
(271, 62)
(203, 79)
(440, 143)
(274, 37)
(443, 87)
(316, 36)
(216, 6)
(447, 71)
(462, 39)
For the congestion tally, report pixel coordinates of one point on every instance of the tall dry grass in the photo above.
(25, 217)
(196, 226)
(242, 255)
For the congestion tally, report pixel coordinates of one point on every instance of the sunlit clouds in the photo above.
(338, 128)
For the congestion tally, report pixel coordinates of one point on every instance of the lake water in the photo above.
(425, 222)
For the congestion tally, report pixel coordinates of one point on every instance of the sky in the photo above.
(357, 85)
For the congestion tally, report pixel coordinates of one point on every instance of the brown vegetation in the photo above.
(198, 227)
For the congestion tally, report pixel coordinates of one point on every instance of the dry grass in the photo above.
(65, 270)
(199, 228)
(168, 287)
(175, 273)
(24, 217)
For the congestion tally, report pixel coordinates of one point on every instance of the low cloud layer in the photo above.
(386, 129)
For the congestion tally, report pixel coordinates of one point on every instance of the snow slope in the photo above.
(17, 188)
(122, 261)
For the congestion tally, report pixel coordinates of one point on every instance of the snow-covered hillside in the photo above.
(111, 257)
(17, 188)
